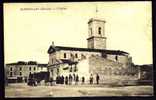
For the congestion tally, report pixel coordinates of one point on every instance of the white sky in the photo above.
(29, 33)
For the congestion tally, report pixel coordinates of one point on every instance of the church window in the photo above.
(71, 55)
(20, 68)
(116, 58)
(75, 69)
(82, 55)
(29, 68)
(76, 55)
(10, 68)
(20, 73)
(99, 30)
(65, 55)
(104, 55)
(70, 69)
(34, 68)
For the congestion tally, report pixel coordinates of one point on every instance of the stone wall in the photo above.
(107, 69)
(99, 43)
(120, 58)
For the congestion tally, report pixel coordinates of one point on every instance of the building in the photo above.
(96, 59)
(145, 72)
(20, 71)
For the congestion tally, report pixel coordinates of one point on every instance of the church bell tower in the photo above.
(96, 34)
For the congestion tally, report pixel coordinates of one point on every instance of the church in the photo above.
(95, 59)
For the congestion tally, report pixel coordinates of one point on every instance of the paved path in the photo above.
(22, 90)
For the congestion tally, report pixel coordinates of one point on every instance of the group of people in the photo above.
(68, 79)
(74, 79)
(92, 79)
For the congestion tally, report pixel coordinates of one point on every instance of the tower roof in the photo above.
(96, 19)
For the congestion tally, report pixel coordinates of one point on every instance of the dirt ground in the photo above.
(23, 90)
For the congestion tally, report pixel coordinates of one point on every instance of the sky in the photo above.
(30, 28)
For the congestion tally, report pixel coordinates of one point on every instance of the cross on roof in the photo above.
(96, 11)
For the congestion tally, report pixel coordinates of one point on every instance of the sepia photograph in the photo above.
(78, 49)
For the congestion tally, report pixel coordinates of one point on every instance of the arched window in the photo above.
(76, 55)
(20, 68)
(71, 55)
(64, 55)
(70, 69)
(99, 30)
(20, 73)
(75, 69)
(10, 68)
(104, 55)
(116, 58)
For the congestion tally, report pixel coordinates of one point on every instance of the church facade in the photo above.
(95, 59)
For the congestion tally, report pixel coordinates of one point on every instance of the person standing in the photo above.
(51, 81)
(38, 82)
(70, 79)
(74, 76)
(77, 79)
(91, 79)
(62, 79)
(66, 80)
(97, 78)
(57, 80)
(83, 80)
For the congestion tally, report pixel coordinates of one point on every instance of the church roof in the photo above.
(57, 48)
